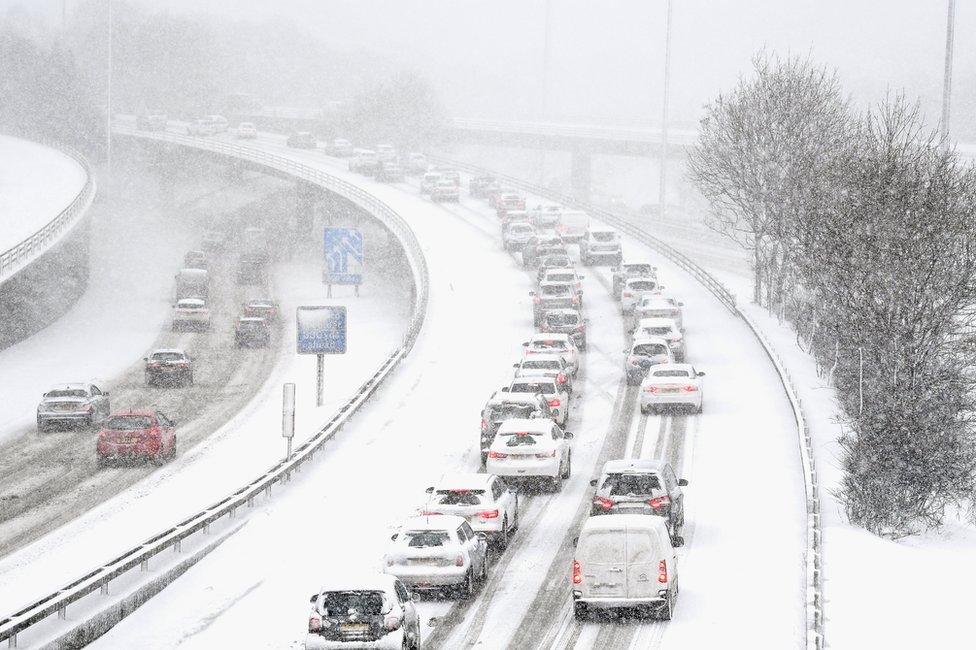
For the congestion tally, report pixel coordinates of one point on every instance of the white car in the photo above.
(201, 127)
(364, 161)
(445, 190)
(220, 123)
(659, 307)
(556, 394)
(386, 152)
(549, 365)
(562, 275)
(667, 329)
(636, 288)
(484, 500)
(643, 354)
(191, 313)
(436, 552)
(551, 343)
(531, 449)
(371, 610)
(341, 148)
(416, 163)
(672, 384)
(429, 181)
(247, 131)
(600, 244)
(631, 269)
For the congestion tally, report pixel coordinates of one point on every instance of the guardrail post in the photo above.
(62, 612)
(178, 546)
(104, 589)
(144, 565)
(12, 641)
(250, 501)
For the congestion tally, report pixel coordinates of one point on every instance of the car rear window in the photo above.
(167, 356)
(560, 277)
(541, 364)
(556, 290)
(426, 538)
(459, 497)
(558, 261)
(562, 319)
(544, 387)
(543, 344)
(602, 547)
(342, 603)
(657, 313)
(520, 227)
(522, 439)
(128, 422)
(624, 484)
(649, 349)
(639, 269)
(671, 373)
(604, 236)
(509, 411)
(657, 331)
(642, 285)
(66, 393)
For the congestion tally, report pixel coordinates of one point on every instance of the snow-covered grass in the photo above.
(36, 184)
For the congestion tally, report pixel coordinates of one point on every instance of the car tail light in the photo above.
(576, 301)
(604, 503)
(554, 402)
(691, 388)
(577, 573)
(537, 300)
(459, 560)
(392, 622)
(627, 294)
(561, 379)
(659, 502)
(662, 571)
(389, 561)
(428, 513)
(581, 327)
(489, 514)
(484, 424)
(314, 624)
(651, 389)
(496, 454)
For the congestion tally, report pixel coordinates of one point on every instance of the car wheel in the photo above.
(503, 538)
(569, 466)
(100, 462)
(89, 421)
(557, 482)
(158, 458)
(467, 589)
(579, 611)
(645, 410)
(189, 379)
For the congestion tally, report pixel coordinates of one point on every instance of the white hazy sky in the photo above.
(607, 56)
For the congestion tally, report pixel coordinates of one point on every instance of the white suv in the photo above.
(550, 343)
(600, 243)
(483, 499)
(531, 449)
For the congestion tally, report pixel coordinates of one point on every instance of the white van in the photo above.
(625, 561)
(573, 225)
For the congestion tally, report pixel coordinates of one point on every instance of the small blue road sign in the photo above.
(343, 256)
(321, 330)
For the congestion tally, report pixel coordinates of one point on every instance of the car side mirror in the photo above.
(532, 293)
(682, 482)
(505, 389)
(430, 489)
(394, 536)
(145, 358)
(593, 482)
(576, 540)
(681, 304)
(678, 541)
(483, 537)
(414, 596)
(701, 374)
(515, 365)
(106, 394)
(313, 599)
(525, 344)
(567, 435)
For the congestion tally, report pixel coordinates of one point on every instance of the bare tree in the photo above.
(760, 157)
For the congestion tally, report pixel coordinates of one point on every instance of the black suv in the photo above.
(637, 487)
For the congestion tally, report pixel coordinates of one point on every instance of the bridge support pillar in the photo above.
(581, 174)
(306, 196)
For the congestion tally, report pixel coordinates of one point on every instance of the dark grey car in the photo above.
(640, 486)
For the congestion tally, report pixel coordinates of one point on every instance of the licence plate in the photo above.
(125, 441)
(357, 628)
(670, 390)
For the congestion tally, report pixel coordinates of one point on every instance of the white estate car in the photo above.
(659, 307)
(671, 384)
(556, 394)
(434, 552)
(247, 130)
(371, 610)
(561, 344)
(643, 354)
(667, 329)
(535, 449)
(549, 365)
(191, 313)
(636, 288)
(484, 500)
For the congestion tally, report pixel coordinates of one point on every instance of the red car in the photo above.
(509, 201)
(136, 434)
(266, 309)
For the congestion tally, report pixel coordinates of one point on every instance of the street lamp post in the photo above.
(662, 193)
(108, 133)
(947, 79)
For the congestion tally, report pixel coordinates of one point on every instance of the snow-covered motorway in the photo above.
(741, 571)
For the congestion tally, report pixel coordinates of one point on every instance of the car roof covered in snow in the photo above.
(535, 425)
(505, 397)
(542, 357)
(167, 351)
(622, 522)
(549, 336)
(642, 340)
(191, 302)
(671, 366)
(463, 481)
(433, 522)
(656, 321)
(355, 581)
(633, 465)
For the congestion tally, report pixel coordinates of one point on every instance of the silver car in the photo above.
(72, 404)
(641, 487)
(437, 552)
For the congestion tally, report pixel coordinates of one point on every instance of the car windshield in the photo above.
(343, 603)
(657, 331)
(426, 538)
(623, 484)
(556, 320)
(671, 373)
(167, 356)
(543, 364)
(544, 387)
(509, 411)
(638, 269)
(556, 290)
(520, 227)
(549, 345)
(128, 422)
(649, 349)
(459, 497)
(604, 236)
(642, 285)
(73, 392)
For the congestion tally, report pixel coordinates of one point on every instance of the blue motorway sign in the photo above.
(343, 256)
(321, 330)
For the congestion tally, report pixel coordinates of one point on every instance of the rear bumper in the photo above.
(678, 399)
(110, 451)
(391, 641)
(603, 602)
(65, 417)
(429, 577)
(539, 468)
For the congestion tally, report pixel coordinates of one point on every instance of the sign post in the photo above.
(288, 415)
(343, 258)
(321, 331)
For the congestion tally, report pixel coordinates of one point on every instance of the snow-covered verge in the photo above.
(36, 184)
